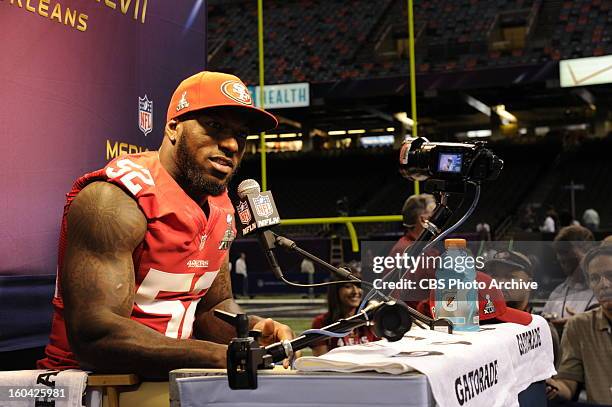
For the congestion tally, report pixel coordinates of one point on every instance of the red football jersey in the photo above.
(175, 264)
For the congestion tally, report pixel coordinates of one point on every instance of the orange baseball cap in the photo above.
(216, 89)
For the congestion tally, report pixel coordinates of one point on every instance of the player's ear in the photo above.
(173, 130)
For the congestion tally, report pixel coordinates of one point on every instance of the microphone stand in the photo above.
(433, 324)
(290, 245)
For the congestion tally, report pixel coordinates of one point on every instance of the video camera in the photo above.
(421, 159)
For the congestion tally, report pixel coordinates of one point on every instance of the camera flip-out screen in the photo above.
(450, 163)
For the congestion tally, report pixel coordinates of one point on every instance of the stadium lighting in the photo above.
(358, 131)
(504, 114)
(256, 136)
(391, 129)
(336, 132)
(403, 118)
(478, 105)
(581, 126)
(289, 135)
(478, 133)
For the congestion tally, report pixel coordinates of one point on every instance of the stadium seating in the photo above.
(308, 39)
(311, 40)
(583, 30)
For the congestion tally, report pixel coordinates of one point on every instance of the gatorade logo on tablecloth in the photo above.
(474, 382)
(528, 341)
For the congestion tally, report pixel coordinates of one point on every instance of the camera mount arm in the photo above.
(345, 274)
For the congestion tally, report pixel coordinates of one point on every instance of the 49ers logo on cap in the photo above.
(237, 92)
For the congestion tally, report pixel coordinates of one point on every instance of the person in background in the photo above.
(241, 270)
(590, 219)
(416, 212)
(342, 302)
(510, 265)
(550, 222)
(573, 295)
(307, 267)
(587, 341)
(528, 219)
(484, 230)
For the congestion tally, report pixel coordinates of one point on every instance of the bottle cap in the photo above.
(455, 243)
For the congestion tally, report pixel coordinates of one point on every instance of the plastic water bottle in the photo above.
(456, 297)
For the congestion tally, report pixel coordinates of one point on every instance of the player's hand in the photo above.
(273, 331)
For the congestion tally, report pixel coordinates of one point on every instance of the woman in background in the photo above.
(342, 302)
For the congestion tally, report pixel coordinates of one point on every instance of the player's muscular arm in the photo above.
(105, 225)
(219, 296)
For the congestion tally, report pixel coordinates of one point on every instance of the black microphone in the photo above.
(257, 213)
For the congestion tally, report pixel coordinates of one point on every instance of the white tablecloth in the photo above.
(487, 368)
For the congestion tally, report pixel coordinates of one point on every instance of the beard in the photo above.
(192, 178)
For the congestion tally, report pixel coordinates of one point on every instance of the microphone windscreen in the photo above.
(248, 186)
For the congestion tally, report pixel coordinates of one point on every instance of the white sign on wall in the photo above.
(283, 96)
(585, 71)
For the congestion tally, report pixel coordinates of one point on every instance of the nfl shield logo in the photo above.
(243, 213)
(263, 206)
(145, 115)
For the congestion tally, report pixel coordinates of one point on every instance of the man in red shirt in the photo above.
(416, 211)
(143, 254)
